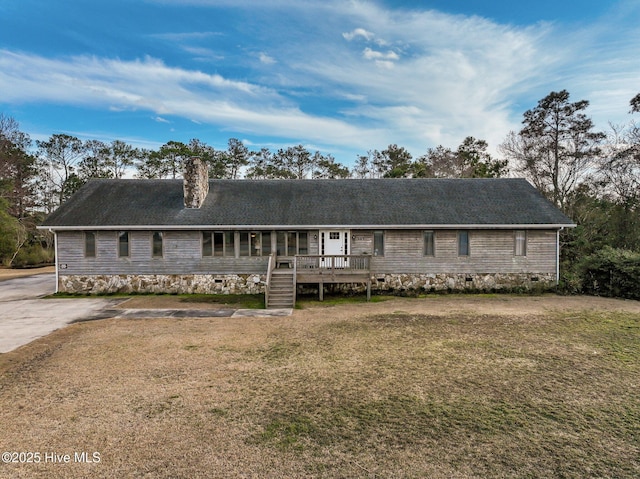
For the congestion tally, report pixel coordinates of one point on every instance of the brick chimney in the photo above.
(196, 182)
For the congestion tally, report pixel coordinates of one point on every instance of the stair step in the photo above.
(281, 289)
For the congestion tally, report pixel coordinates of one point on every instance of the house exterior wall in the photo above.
(491, 263)
(490, 251)
(182, 255)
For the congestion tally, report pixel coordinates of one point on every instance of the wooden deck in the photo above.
(322, 269)
(332, 269)
(317, 269)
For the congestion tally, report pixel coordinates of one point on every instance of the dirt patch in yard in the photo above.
(443, 386)
(167, 302)
(498, 304)
(194, 301)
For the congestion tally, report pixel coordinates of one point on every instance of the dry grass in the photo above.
(9, 273)
(324, 393)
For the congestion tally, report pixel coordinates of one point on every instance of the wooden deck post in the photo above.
(321, 290)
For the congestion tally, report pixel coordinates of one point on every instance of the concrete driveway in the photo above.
(24, 316)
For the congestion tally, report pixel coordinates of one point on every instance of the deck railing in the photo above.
(270, 267)
(324, 269)
(335, 264)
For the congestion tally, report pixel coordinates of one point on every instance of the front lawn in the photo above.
(376, 394)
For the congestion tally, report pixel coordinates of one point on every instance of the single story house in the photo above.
(266, 236)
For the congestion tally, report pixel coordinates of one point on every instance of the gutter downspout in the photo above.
(558, 256)
(55, 247)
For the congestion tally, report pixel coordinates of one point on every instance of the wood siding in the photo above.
(491, 251)
(182, 255)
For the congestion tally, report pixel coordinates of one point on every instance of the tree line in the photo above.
(591, 175)
(44, 178)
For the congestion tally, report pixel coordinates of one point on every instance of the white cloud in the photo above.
(151, 85)
(445, 77)
(423, 78)
(185, 36)
(358, 32)
(370, 54)
(203, 54)
(266, 59)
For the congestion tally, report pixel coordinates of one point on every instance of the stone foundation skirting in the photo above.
(441, 282)
(163, 283)
(255, 283)
(464, 282)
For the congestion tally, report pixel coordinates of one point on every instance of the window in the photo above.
(266, 243)
(281, 243)
(244, 243)
(463, 243)
(223, 243)
(291, 243)
(123, 244)
(229, 243)
(207, 243)
(521, 243)
(250, 243)
(378, 243)
(156, 244)
(89, 244)
(429, 246)
(256, 244)
(217, 243)
(303, 243)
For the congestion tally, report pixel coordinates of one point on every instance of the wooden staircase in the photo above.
(281, 289)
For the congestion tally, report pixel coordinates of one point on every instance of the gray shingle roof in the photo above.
(313, 203)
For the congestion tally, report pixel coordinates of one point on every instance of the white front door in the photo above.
(335, 243)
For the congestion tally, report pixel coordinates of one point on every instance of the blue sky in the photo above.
(341, 77)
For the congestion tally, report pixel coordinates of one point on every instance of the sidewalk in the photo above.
(187, 313)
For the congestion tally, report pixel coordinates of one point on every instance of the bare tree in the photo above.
(470, 160)
(59, 158)
(621, 170)
(364, 166)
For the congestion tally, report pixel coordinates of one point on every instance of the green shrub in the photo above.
(611, 272)
(33, 255)
(570, 282)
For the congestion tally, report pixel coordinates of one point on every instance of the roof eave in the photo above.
(309, 226)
